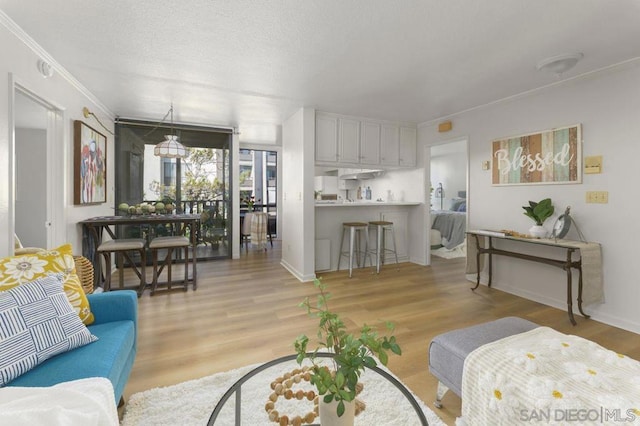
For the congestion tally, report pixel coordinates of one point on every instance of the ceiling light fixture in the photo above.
(560, 63)
(170, 147)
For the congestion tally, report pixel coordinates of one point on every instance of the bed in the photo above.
(448, 227)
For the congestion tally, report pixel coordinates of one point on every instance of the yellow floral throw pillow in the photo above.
(25, 268)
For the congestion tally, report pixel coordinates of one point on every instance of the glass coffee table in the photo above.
(400, 404)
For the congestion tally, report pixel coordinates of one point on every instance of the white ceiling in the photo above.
(253, 63)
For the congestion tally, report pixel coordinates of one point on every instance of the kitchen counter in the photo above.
(329, 217)
(364, 203)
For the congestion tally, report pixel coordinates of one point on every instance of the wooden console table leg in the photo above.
(478, 253)
(569, 297)
(490, 262)
(580, 291)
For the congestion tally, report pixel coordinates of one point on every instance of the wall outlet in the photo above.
(598, 197)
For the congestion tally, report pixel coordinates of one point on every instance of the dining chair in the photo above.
(170, 244)
(255, 226)
(121, 247)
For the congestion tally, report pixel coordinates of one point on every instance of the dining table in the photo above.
(95, 228)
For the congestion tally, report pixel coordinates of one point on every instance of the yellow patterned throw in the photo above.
(25, 268)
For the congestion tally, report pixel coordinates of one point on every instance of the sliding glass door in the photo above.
(197, 184)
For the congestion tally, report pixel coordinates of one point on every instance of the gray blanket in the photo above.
(452, 226)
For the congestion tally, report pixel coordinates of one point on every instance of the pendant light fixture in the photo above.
(170, 147)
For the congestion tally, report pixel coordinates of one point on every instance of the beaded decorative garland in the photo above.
(282, 386)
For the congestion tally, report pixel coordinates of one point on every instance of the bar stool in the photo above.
(355, 229)
(170, 243)
(382, 227)
(122, 247)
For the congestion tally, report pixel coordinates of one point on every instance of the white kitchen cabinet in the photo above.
(348, 140)
(408, 146)
(370, 143)
(342, 140)
(390, 145)
(326, 138)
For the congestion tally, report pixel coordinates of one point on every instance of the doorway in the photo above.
(449, 164)
(258, 189)
(32, 203)
(199, 183)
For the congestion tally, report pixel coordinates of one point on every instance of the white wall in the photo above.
(298, 205)
(19, 66)
(608, 106)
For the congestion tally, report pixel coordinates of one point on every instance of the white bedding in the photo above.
(452, 226)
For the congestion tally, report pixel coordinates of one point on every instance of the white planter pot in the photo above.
(329, 413)
(537, 231)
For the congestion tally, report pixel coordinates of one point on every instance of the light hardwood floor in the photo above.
(246, 311)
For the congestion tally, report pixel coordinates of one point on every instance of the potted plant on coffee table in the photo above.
(539, 212)
(336, 385)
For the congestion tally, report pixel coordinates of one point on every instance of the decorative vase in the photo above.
(329, 413)
(537, 231)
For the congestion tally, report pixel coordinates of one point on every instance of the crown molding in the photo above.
(25, 38)
(600, 71)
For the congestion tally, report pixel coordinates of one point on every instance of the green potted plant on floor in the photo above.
(539, 212)
(351, 354)
(213, 227)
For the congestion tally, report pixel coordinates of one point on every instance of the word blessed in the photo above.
(580, 415)
(529, 162)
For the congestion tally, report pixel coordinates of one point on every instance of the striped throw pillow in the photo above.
(37, 322)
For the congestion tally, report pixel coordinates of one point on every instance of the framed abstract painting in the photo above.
(89, 165)
(548, 157)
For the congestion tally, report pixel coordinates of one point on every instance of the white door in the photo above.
(32, 224)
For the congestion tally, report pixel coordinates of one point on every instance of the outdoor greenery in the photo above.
(197, 184)
(352, 353)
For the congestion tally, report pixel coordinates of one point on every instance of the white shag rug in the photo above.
(192, 402)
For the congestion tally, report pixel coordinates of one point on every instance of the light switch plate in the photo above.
(598, 197)
(593, 165)
(486, 165)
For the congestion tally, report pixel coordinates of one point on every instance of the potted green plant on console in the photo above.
(351, 354)
(539, 212)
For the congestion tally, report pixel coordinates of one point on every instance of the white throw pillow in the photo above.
(37, 322)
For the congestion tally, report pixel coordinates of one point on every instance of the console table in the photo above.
(566, 264)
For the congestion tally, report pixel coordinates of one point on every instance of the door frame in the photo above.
(427, 184)
(55, 185)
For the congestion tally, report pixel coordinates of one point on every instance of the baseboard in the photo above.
(605, 318)
(293, 271)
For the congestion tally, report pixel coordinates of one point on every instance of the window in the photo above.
(197, 184)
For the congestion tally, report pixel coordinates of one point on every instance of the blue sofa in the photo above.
(112, 356)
